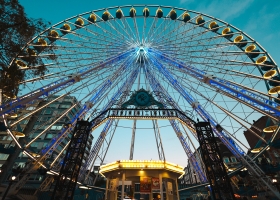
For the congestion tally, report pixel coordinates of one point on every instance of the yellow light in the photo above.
(256, 150)
(270, 74)
(225, 31)
(270, 129)
(250, 48)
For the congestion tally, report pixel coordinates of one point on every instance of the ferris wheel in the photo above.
(185, 60)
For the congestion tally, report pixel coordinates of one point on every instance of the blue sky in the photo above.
(256, 18)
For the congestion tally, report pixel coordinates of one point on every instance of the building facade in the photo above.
(44, 121)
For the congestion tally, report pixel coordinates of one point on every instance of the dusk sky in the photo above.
(259, 19)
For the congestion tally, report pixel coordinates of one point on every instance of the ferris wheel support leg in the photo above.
(224, 137)
(161, 154)
(94, 151)
(104, 155)
(132, 140)
(156, 86)
(193, 161)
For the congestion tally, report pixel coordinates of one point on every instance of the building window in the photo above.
(31, 108)
(19, 164)
(24, 122)
(34, 144)
(56, 127)
(49, 136)
(47, 112)
(226, 160)
(233, 159)
(22, 155)
(54, 105)
(68, 99)
(4, 156)
(65, 106)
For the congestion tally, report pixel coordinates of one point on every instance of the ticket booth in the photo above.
(141, 180)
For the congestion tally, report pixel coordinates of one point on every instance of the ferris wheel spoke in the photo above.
(105, 37)
(160, 35)
(156, 86)
(102, 39)
(130, 32)
(123, 26)
(163, 37)
(234, 83)
(94, 152)
(87, 44)
(153, 25)
(230, 114)
(55, 141)
(234, 147)
(189, 39)
(55, 99)
(181, 34)
(120, 36)
(261, 104)
(52, 87)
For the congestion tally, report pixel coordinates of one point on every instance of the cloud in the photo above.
(264, 18)
(225, 9)
(221, 9)
(185, 1)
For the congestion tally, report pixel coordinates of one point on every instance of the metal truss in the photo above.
(66, 184)
(214, 165)
(158, 141)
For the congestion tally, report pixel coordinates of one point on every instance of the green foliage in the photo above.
(16, 30)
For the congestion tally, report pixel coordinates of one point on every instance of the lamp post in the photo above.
(12, 179)
(275, 182)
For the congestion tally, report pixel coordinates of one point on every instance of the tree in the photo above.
(16, 29)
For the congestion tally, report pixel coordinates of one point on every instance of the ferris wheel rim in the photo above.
(156, 6)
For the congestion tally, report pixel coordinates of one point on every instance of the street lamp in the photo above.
(12, 179)
(276, 183)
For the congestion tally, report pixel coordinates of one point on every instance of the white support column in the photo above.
(160, 186)
(166, 190)
(123, 179)
(116, 191)
(177, 192)
(107, 186)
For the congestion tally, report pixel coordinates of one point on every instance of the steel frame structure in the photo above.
(214, 165)
(69, 172)
(165, 48)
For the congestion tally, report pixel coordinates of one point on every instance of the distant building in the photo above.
(32, 127)
(230, 161)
